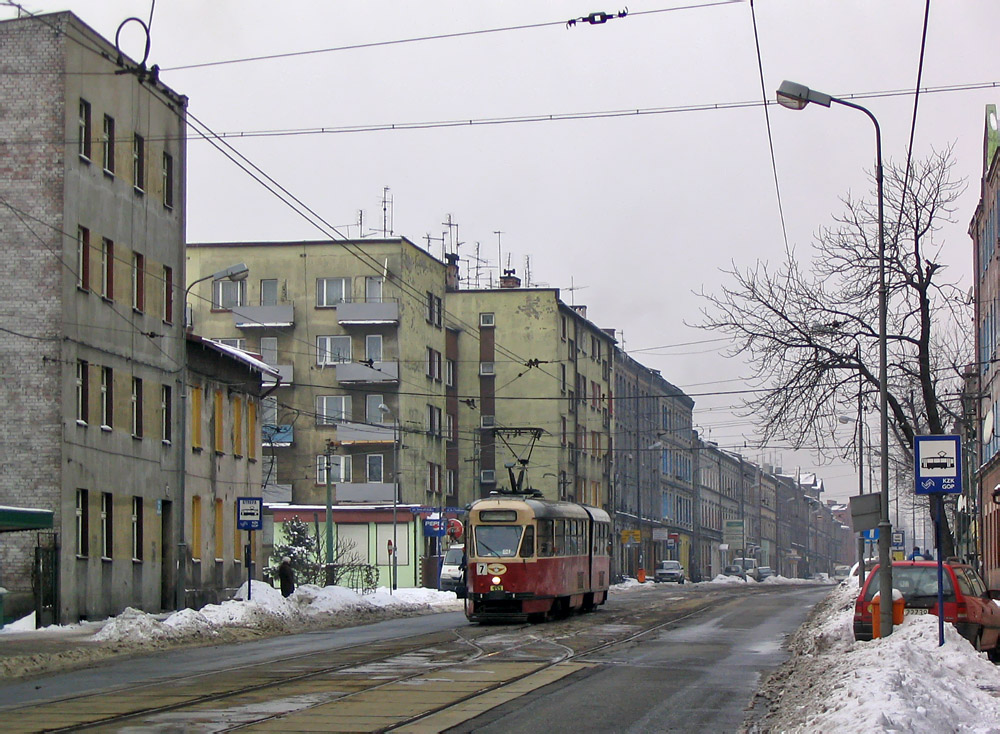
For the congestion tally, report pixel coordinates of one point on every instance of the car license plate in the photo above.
(916, 611)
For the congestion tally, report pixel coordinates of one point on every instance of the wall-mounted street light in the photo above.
(234, 272)
(796, 96)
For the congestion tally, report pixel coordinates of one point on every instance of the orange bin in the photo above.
(898, 605)
(640, 575)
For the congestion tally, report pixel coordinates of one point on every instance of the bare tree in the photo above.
(809, 332)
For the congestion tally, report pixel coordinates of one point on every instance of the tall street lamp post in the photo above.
(796, 97)
(395, 489)
(234, 273)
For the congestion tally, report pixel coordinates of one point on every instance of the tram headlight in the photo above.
(495, 580)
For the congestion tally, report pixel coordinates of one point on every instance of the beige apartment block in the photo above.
(356, 332)
(527, 362)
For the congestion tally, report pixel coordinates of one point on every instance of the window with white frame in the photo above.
(137, 528)
(450, 487)
(373, 347)
(82, 522)
(269, 292)
(167, 173)
(83, 127)
(433, 364)
(340, 468)
(487, 369)
(332, 408)
(234, 342)
(331, 291)
(107, 525)
(137, 407)
(333, 349)
(108, 144)
(138, 281)
(374, 468)
(487, 319)
(107, 397)
(82, 391)
(449, 372)
(166, 413)
(449, 427)
(269, 349)
(372, 413)
(168, 294)
(107, 268)
(269, 411)
(83, 258)
(138, 162)
(228, 294)
(373, 289)
(434, 420)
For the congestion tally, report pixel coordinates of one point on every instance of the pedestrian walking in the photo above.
(915, 554)
(286, 575)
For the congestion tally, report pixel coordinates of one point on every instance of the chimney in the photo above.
(451, 272)
(509, 280)
(582, 310)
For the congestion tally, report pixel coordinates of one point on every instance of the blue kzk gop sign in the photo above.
(937, 464)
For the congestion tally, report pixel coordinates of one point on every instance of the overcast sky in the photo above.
(637, 212)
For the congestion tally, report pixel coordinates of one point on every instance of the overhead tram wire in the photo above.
(435, 37)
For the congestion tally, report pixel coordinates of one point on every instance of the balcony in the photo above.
(264, 317)
(364, 433)
(365, 492)
(276, 436)
(285, 372)
(367, 312)
(359, 372)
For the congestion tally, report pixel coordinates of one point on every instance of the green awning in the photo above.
(22, 518)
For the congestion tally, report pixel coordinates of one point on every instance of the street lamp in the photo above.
(234, 272)
(796, 97)
(384, 409)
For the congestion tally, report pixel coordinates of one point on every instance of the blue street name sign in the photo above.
(937, 464)
(871, 534)
(248, 513)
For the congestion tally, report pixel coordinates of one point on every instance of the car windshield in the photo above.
(915, 583)
(733, 569)
(453, 557)
(499, 541)
(671, 565)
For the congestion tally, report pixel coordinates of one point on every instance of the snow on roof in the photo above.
(241, 356)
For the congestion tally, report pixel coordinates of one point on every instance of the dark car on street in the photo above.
(669, 571)
(737, 571)
(967, 603)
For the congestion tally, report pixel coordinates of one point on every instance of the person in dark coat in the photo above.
(286, 575)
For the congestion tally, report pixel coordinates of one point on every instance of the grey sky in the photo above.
(637, 211)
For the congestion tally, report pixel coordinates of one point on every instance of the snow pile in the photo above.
(267, 610)
(904, 682)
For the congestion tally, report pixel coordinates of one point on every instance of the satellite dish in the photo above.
(988, 426)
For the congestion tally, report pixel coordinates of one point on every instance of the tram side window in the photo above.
(546, 539)
(528, 543)
(560, 539)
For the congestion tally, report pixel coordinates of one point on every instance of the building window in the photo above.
(450, 487)
(107, 397)
(137, 528)
(332, 408)
(340, 469)
(83, 258)
(333, 349)
(434, 421)
(168, 181)
(196, 410)
(82, 391)
(228, 294)
(107, 525)
(434, 364)
(269, 349)
(433, 478)
(269, 292)
(196, 528)
(83, 126)
(373, 468)
(108, 143)
(486, 319)
(373, 289)
(487, 369)
(432, 312)
(138, 163)
(166, 413)
(562, 328)
(237, 427)
(236, 343)
(138, 282)
(372, 414)
(562, 379)
(450, 372)
(136, 407)
(217, 422)
(373, 347)
(449, 427)
(331, 291)
(82, 523)
(168, 294)
(107, 269)
(218, 530)
(252, 435)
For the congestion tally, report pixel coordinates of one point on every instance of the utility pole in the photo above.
(329, 517)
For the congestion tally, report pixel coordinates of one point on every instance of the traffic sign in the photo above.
(248, 513)
(631, 536)
(871, 534)
(937, 463)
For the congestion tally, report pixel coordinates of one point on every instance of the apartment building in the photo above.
(537, 376)
(356, 331)
(92, 183)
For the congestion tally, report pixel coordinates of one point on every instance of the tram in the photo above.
(533, 559)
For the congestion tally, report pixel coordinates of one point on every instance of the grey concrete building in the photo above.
(92, 193)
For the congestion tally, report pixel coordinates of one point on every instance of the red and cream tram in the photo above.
(529, 558)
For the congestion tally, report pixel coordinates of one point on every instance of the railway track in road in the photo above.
(417, 684)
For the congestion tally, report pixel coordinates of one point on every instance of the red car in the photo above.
(967, 603)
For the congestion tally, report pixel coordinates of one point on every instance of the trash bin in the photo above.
(640, 575)
(898, 605)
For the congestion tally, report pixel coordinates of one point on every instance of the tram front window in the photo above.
(499, 541)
